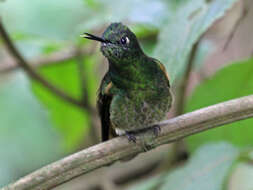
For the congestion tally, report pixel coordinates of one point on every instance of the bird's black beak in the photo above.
(92, 37)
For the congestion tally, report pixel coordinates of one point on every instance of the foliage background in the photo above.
(37, 127)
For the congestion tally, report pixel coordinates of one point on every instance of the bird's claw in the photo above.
(156, 129)
(146, 147)
(131, 137)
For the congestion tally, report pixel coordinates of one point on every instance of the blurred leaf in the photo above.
(70, 120)
(231, 82)
(91, 3)
(187, 21)
(147, 35)
(241, 178)
(49, 48)
(205, 48)
(50, 19)
(132, 11)
(148, 45)
(65, 20)
(207, 169)
(144, 31)
(43, 26)
(27, 139)
(31, 48)
(34, 45)
(149, 184)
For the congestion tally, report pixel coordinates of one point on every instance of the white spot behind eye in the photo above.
(127, 40)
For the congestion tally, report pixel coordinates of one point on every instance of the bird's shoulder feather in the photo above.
(163, 69)
(103, 104)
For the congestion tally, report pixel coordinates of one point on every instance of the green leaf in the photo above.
(69, 119)
(231, 82)
(187, 21)
(91, 3)
(144, 31)
(147, 35)
(27, 139)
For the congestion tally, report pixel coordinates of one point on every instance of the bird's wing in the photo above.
(103, 104)
(163, 69)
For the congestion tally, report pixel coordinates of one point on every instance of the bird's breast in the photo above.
(138, 111)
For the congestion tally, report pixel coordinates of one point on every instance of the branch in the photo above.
(94, 137)
(33, 74)
(54, 58)
(82, 79)
(118, 148)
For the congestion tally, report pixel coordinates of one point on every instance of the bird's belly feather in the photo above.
(133, 114)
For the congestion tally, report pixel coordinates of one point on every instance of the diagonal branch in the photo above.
(31, 71)
(85, 98)
(83, 82)
(118, 148)
(54, 58)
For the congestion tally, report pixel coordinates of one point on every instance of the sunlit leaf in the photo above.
(231, 82)
(69, 119)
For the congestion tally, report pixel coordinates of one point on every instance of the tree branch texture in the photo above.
(30, 70)
(118, 148)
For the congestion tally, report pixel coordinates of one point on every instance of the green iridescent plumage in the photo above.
(135, 92)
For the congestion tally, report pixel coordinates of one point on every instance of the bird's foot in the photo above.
(156, 129)
(131, 137)
(146, 147)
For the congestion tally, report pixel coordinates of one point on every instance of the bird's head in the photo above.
(118, 43)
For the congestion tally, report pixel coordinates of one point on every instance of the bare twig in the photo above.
(118, 148)
(94, 137)
(31, 72)
(54, 58)
(94, 125)
(82, 79)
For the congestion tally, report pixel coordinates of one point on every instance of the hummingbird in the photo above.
(134, 94)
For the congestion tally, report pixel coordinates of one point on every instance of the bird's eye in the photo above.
(124, 40)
